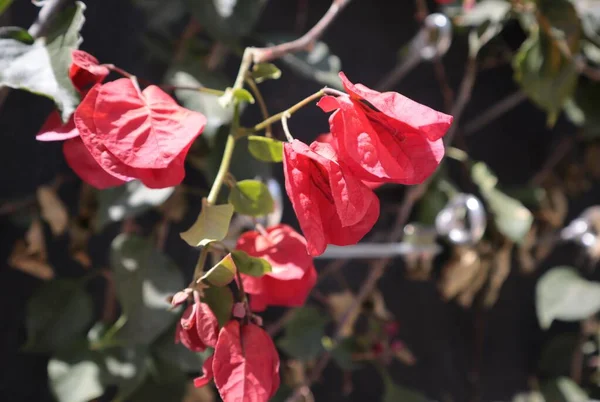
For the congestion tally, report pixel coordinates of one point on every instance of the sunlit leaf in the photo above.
(212, 225)
(251, 197)
(561, 294)
(42, 67)
(265, 71)
(75, 381)
(250, 265)
(265, 149)
(222, 273)
(144, 279)
(59, 311)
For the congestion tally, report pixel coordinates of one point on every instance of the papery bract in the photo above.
(147, 129)
(186, 331)
(328, 138)
(390, 139)
(55, 130)
(85, 166)
(332, 205)
(206, 324)
(85, 121)
(207, 373)
(246, 364)
(85, 71)
(293, 274)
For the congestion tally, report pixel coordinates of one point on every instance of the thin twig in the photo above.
(261, 103)
(261, 55)
(558, 152)
(495, 111)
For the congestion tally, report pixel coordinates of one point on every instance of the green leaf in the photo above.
(16, 33)
(561, 294)
(251, 197)
(128, 201)
(304, 334)
(582, 109)
(494, 11)
(126, 368)
(194, 75)
(318, 64)
(212, 225)
(166, 350)
(557, 355)
(227, 20)
(265, 149)
(59, 311)
(511, 217)
(248, 265)
(563, 389)
(220, 301)
(42, 67)
(77, 381)
(242, 95)
(167, 383)
(265, 71)
(144, 279)
(221, 274)
(342, 354)
(4, 4)
(544, 73)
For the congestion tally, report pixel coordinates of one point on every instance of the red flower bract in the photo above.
(85, 71)
(55, 130)
(388, 138)
(332, 205)
(132, 134)
(293, 274)
(83, 164)
(197, 328)
(245, 364)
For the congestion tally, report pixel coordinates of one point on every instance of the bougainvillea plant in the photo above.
(132, 143)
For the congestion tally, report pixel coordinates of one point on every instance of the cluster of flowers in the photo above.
(120, 133)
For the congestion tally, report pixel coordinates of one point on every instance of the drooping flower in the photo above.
(293, 274)
(197, 328)
(245, 364)
(332, 205)
(86, 71)
(386, 137)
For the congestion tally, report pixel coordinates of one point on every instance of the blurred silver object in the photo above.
(462, 220)
(432, 41)
(584, 229)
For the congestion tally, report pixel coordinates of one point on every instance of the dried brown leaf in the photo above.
(500, 268)
(53, 210)
(30, 264)
(459, 272)
(339, 304)
(35, 239)
(379, 308)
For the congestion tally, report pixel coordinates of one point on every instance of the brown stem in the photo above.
(264, 54)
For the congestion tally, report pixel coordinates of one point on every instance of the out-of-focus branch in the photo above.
(498, 109)
(264, 54)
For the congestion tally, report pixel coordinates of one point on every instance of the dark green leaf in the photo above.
(396, 393)
(265, 149)
(4, 4)
(42, 67)
(193, 75)
(557, 355)
(251, 197)
(265, 71)
(126, 368)
(16, 33)
(144, 279)
(248, 265)
(227, 20)
(166, 383)
(342, 354)
(487, 10)
(222, 273)
(561, 294)
(212, 225)
(128, 200)
(511, 217)
(166, 350)
(318, 64)
(582, 110)
(59, 311)
(545, 74)
(303, 339)
(220, 301)
(563, 389)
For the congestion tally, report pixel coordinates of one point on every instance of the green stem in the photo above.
(261, 103)
(200, 264)
(227, 155)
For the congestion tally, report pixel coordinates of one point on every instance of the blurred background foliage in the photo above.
(86, 273)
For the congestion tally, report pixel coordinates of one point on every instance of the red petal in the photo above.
(290, 293)
(172, 175)
(207, 373)
(186, 332)
(325, 217)
(55, 130)
(421, 118)
(146, 130)
(206, 325)
(85, 166)
(327, 103)
(245, 364)
(85, 71)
